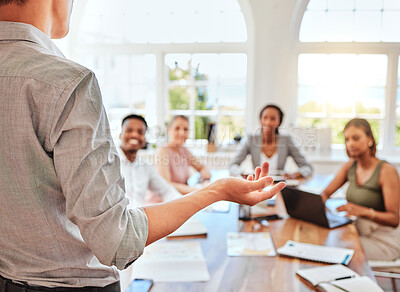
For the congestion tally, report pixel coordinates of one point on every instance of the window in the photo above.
(127, 84)
(160, 59)
(209, 88)
(334, 88)
(161, 22)
(347, 52)
(351, 21)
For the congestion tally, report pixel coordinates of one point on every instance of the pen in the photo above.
(342, 278)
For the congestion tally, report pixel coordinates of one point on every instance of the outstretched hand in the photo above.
(250, 191)
(247, 192)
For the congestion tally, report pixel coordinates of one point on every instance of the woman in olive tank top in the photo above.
(373, 194)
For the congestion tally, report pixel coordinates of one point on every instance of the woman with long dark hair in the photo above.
(372, 195)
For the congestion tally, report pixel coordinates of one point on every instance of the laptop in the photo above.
(309, 207)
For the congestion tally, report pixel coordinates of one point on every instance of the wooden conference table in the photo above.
(264, 273)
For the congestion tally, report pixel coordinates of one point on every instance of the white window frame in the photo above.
(192, 113)
(391, 50)
(160, 114)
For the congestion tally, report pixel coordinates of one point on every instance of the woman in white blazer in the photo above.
(269, 145)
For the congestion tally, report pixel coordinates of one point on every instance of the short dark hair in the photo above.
(18, 2)
(363, 124)
(132, 116)
(281, 114)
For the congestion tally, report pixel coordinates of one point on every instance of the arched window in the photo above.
(348, 67)
(157, 21)
(351, 21)
(160, 58)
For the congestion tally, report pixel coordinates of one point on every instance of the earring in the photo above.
(370, 144)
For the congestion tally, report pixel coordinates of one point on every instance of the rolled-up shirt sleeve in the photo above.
(88, 167)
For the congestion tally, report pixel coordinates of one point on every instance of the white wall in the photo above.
(274, 68)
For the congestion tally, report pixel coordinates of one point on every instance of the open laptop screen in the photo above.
(309, 207)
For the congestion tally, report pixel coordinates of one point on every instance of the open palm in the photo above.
(250, 191)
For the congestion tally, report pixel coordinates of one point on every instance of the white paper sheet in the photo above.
(250, 244)
(172, 261)
(358, 284)
(326, 273)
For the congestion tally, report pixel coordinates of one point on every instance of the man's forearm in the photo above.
(167, 217)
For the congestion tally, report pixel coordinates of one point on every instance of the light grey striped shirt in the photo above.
(64, 219)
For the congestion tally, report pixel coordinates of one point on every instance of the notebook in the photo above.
(310, 207)
(326, 274)
(356, 284)
(317, 253)
(337, 278)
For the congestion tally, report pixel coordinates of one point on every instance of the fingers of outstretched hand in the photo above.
(268, 180)
(264, 169)
(244, 188)
(277, 188)
(258, 172)
(258, 185)
(264, 195)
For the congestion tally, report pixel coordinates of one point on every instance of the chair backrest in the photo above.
(386, 269)
(385, 265)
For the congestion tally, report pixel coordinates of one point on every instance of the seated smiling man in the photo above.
(139, 175)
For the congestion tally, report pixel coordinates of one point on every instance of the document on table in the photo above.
(338, 278)
(329, 273)
(193, 226)
(172, 261)
(318, 253)
(356, 284)
(250, 244)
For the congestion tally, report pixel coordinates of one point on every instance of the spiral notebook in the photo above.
(317, 253)
(338, 278)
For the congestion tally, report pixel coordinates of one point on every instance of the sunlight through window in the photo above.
(335, 88)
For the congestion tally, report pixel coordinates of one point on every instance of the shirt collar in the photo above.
(122, 155)
(123, 158)
(18, 31)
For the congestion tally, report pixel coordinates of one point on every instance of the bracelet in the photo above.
(371, 213)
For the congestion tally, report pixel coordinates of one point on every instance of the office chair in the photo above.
(386, 269)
